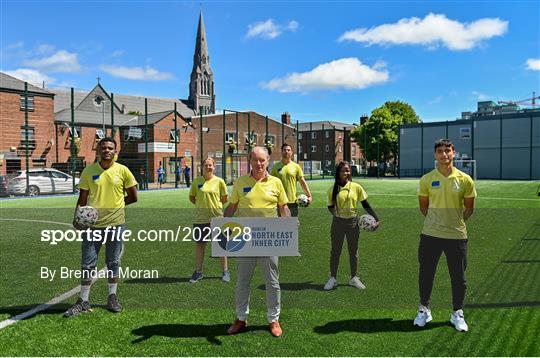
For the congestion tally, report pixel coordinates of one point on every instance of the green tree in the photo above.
(382, 128)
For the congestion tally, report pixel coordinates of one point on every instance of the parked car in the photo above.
(41, 181)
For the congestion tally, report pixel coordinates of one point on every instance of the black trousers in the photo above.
(341, 229)
(429, 252)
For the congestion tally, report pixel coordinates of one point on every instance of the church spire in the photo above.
(201, 86)
(201, 48)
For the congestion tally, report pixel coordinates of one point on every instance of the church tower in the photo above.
(201, 85)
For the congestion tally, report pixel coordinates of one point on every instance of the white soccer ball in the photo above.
(368, 223)
(86, 216)
(302, 200)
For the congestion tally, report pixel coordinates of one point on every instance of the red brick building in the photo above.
(41, 143)
(327, 143)
(144, 128)
(240, 128)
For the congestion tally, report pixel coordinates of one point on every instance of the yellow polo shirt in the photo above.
(208, 194)
(289, 174)
(347, 199)
(258, 198)
(445, 211)
(106, 191)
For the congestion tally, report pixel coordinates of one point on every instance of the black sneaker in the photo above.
(79, 307)
(196, 277)
(113, 304)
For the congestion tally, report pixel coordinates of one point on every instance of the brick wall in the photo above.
(12, 135)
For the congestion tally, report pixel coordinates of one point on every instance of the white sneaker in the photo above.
(458, 320)
(423, 316)
(355, 282)
(226, 277)
(331, 284)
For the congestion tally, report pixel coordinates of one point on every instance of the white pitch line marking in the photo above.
(54, 301)
(36, 221)
(44, 306)
(479, 197)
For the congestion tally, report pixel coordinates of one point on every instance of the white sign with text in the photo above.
(254, 237)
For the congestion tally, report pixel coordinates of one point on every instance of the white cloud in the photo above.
(293, 25)
(18, 44)
(533, 64)
(45, 49)
(136, 73)
(431, 31)
(345, 73)
(117, 53)
(269, 30)
(31, 76)
(60, 61)
(435, 100)
(481, 96)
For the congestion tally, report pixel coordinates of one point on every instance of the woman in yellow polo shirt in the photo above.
(343, 199)
(208, 192)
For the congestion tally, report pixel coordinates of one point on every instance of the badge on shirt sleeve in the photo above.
(95, 177)
(247, 189)
(199, 186)
(435, 184)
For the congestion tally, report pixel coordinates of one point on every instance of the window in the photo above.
(299, 148)
(327, 148)
(465, 133)
(58, 175)
(174, 137)
(328, 163)
(99, 100)
(313, 148)
(76, 133)
(313, 135)
(133, 133)
(39, 163)
(229, 136)
(253, 137)
(327, 134)
(99, 134)
(31, 137)
(353, 150)
(271, 139)
(38, 173)
(300, 135)
(30, 103)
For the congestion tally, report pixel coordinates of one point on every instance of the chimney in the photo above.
(123, 109)
(286, 118)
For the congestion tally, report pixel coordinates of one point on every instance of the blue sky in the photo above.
(316, 60)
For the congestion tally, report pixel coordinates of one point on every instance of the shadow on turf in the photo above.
(16, 310)
(374, 326)
(210, 332)
(300, 286)
(166, 279)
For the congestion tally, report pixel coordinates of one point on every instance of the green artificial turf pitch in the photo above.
(169, 316)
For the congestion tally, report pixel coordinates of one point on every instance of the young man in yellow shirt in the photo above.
(102, 187)
(258, 195)
(289, 173)
(446, 197)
